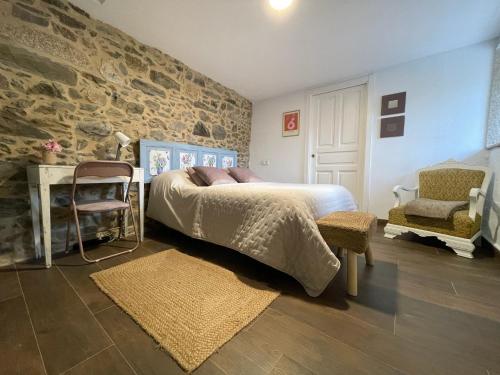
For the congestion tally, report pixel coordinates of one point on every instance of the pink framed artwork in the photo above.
(291, 123)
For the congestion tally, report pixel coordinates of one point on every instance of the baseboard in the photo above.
(496, 246)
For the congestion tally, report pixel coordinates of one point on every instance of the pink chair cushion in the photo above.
(195, 178)
(244, 175)
(214, 176)
(100, 205)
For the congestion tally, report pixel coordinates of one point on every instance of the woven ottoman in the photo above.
(350, 230)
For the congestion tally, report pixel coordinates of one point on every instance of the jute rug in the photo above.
(190, 306)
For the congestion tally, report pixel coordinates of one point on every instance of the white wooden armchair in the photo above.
(449, 181)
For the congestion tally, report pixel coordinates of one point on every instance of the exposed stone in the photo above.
(114, 113)
(80, 11)
(56, 3)
(123, 69)
(11, 123)
(111, 73)
(28, 61)
(219, 132)
(22, 103)
(161, 79)
(93, 78)
(5, 148)
(48, 110)
(66, 33)
(88, 107)
(63, 106)
(20, 11)
(74, 94)
(44, 88)
(203, 116)
(199, 81)
(81, 144)
(201, 130)
(44, 42)
(135, 63)
(135, 108)
(146, 88)
(4, 82)
(152, 105)
(202, 105)
(95, 96)
(132, 50)
(67, 20)
(33, 10)
(94, 128)
(156, 123)
(178, 126)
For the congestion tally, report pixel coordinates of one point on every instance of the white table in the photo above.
(40, 177)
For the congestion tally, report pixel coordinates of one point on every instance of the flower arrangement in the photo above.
(52, 146)
(50, 149)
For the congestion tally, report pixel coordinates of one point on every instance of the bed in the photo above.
(273, 223)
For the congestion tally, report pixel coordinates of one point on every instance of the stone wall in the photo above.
(66, 76)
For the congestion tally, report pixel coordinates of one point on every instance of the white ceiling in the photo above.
(262, 53)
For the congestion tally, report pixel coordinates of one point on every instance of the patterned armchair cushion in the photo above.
(459, 225)
(449, 184)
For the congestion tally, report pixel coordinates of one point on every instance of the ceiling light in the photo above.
(280, 4)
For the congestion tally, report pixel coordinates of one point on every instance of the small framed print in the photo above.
(291, 123)
(187, 160)
(393, 104)
(227, 162)
(159, 161)
(209, 160)
(392, 126)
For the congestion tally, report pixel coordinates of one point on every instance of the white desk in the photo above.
(40, 177)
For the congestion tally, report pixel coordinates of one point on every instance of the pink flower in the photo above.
(52, 146)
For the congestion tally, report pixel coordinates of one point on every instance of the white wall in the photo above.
(446, 111)
(285, 154)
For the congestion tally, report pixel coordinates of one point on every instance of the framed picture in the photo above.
(393, 104)
(392, 126)
(209, 160)
(228, 162)
(159, 161)
(291, 123)
(187, 159)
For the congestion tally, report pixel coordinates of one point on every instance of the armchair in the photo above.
(449, 181)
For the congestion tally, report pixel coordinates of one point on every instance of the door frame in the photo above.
(367, 80)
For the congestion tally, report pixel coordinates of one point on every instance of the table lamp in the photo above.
(123, 141)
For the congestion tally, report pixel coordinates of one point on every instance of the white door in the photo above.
(338, 139)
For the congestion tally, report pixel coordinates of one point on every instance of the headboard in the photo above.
(157, 157)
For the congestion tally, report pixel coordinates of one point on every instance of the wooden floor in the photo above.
(420, 310)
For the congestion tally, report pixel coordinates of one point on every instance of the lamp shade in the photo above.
(122, 139)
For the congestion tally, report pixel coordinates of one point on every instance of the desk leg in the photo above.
(45, 206)
(35, 218)
(141, 210)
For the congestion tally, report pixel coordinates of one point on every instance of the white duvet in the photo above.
(273, 223)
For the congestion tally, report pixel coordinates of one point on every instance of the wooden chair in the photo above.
(87, 171)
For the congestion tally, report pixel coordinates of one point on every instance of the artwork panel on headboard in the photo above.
(157, 157)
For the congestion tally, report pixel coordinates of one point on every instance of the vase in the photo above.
(49, 157)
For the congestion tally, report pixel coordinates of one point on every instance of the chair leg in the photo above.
(369, 257)
(352, 273)
(79, 235)
(341, 252)
(68, 230)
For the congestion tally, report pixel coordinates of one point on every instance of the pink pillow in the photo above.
(244, 175)
(214, 176)
(195, 178)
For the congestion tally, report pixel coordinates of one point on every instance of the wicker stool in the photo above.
(349, 230)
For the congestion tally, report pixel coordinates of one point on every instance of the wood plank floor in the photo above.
(420, 310)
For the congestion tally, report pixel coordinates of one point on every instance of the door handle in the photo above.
(313, 155)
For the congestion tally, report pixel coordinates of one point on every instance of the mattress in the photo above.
(273, 223)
